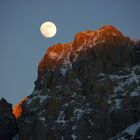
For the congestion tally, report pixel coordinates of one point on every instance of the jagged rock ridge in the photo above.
(86, 89)
(8, 124)
(105, 40)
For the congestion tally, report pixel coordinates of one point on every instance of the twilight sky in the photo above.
(22, 46)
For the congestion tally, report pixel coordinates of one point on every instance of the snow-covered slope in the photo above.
(130, 133)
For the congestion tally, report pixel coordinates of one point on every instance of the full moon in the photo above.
(48, 29)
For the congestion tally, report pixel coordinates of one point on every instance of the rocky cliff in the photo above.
(8, 124)
(88, 89)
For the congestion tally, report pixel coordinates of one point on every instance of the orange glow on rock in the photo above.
(17, 110)
(54, 57)
(106, 36)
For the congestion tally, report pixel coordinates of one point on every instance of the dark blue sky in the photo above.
(22, 46)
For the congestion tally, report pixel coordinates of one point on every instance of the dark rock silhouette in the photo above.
(8, 124)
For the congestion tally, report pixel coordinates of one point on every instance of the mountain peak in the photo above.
(110, 28)
(82, 86)
(105, 37)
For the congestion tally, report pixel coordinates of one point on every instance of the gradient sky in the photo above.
(22, 46)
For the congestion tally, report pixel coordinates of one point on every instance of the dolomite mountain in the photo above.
(88, 89)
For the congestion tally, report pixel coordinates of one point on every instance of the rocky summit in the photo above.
(87, 89)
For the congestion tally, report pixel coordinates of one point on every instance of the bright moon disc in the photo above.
(48, 29)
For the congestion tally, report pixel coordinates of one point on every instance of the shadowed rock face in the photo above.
(88, 89)
(8, 125)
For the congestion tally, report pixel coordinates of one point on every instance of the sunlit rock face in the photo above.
(88, 89)
(107, 45)
(55, 56)
(17, 109)
(8, 124)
